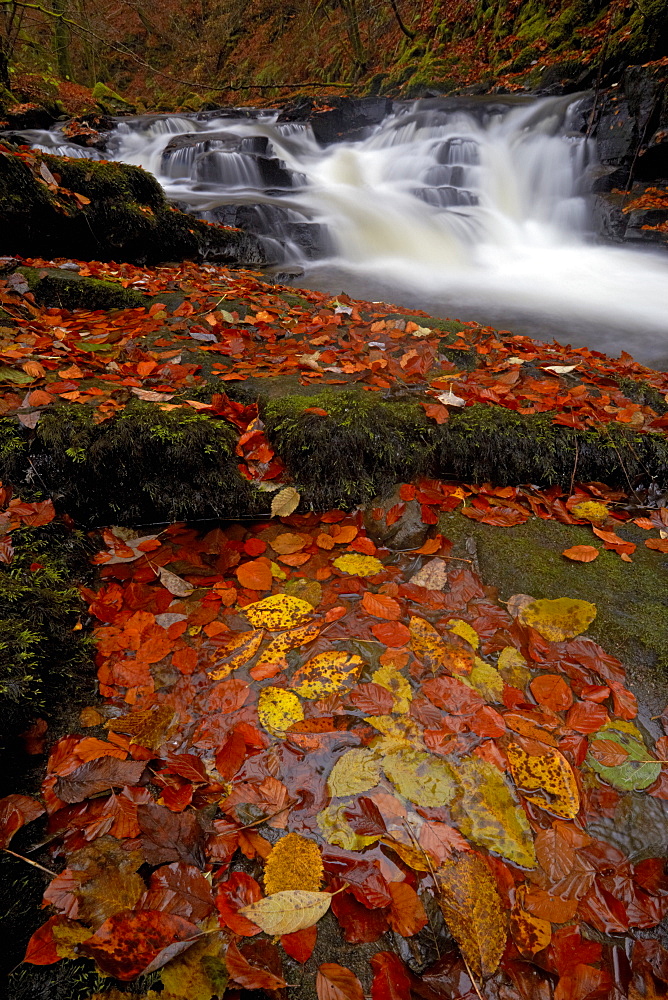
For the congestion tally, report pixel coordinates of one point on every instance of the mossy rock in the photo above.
(125, 216)
(53, 287)
(364, 444)
(111, 102)
(631, 598)
(41, 652)
(143, 466)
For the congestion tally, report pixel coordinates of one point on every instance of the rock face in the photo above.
(58, 207)
(337, 118)
(630, 126)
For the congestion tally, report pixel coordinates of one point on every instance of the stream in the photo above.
(468, 208)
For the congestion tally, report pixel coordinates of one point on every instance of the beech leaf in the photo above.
(285, 502)
(472, 909)
(288, 911)
(336, 982)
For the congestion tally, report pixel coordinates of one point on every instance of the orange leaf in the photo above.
(391, 633)
(609, 753)
(344, 535)
(381, 606)
(659, 544)
(324, 541)
(335, 982)
(581, 553)
(255, 575)
(552, 691)
(407, 915)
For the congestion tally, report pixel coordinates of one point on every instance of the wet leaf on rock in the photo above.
(472, 909)
(356, 771)
(336, 982)
(278, 612)
(636, 772)
(358, 565)
(546, 780)
(294, 862)
(138, 941)
(288, 911)
(488, 814)
(278, 709)
(559, 619)
(421, 777)
(326, 673)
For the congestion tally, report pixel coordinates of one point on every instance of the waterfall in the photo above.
(477, 208)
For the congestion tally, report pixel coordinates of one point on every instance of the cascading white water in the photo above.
(477, 210)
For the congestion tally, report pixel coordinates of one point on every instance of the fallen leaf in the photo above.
(472, 909)
(278, 612)
(381, 606)
(134, 942)
(173, 583)
(326, 673)
(546, 780)
(559, 619)
(336, 982)
(356, 771)
(581, 553)
(288, 911)
(278, 709)
(358, 565)
(294, 862)
(285, 502)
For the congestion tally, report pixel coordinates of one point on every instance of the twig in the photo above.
(35, 864)
(259, 822)
(471, 976)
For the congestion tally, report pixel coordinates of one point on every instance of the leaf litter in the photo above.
(309, 713)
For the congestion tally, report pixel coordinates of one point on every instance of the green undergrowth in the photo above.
(631, 598)
(42, 653)
(142, 466)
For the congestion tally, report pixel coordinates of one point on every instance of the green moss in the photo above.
(68, 290)
(40, 652)
(363, 445)
(492, 443)
(643, 393)
(631, 598)
(142, 466)
(109, 100)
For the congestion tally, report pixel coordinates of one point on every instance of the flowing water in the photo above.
(472, 209)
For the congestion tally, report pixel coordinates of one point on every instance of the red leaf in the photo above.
(251, 977)
(237, 891)
(452, 695)
(181, 889)
(135, 941)
(255, 575)
(372, 699)
(381, 606)
(359, 924)
(390, 978)
(15, 812)
(583, 983)
(41, 948)
(503, 517)
(300, 944)
(609, 753)
(436, 411)
(392, 634)
(335, 982)
(624, 703)
(552, 691)
(586, 717)
(231, 755)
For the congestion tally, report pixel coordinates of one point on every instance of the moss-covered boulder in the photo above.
(65, 289)
(111, 102)
(142, 466)
(52, 206)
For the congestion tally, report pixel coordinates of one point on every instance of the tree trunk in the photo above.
(409, 34)
(61, 40)
(349, 8)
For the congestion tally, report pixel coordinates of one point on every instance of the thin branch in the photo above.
(35, 864)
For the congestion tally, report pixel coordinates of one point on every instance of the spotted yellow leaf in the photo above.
(326, 673)
(473, 910)
(435, 652)
(465, 631)
(278, 612)
(389, 678)
(546, 780)
(421, 777)
(358, 565)
(294, 862)
(563, 618)
(278, 709)
(274, 654)
(239, 651)
(289, 911)
(487, 680)
(513, 667)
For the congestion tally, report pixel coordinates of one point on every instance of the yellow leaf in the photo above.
(285, 502)
(278, 709)
(487, 680)
(326, 673)
(513, 668)
(549, 777)
(434, 652)
(149, 727)
(277, 572)
(356, 771)
(68, 936)
(488, 814)
(472, 909)
(294, 862)
(280, 611)
(336, 829)
(238, 652)
(389, 678)
(421, 777)
(358, 565)
(276, 650)
(592, 511)
(563, 618)
(465, 631)
(198, 974)
(417, 859)
(288, 911)
(399, 733)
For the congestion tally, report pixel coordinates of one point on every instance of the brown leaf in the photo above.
(138, 941)
(97, 776)
(250, 977)
(15, 812)
(472, 909)
(335, 982)
(285, 502)
(169, 836)
(181, 889)
(581, 553)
